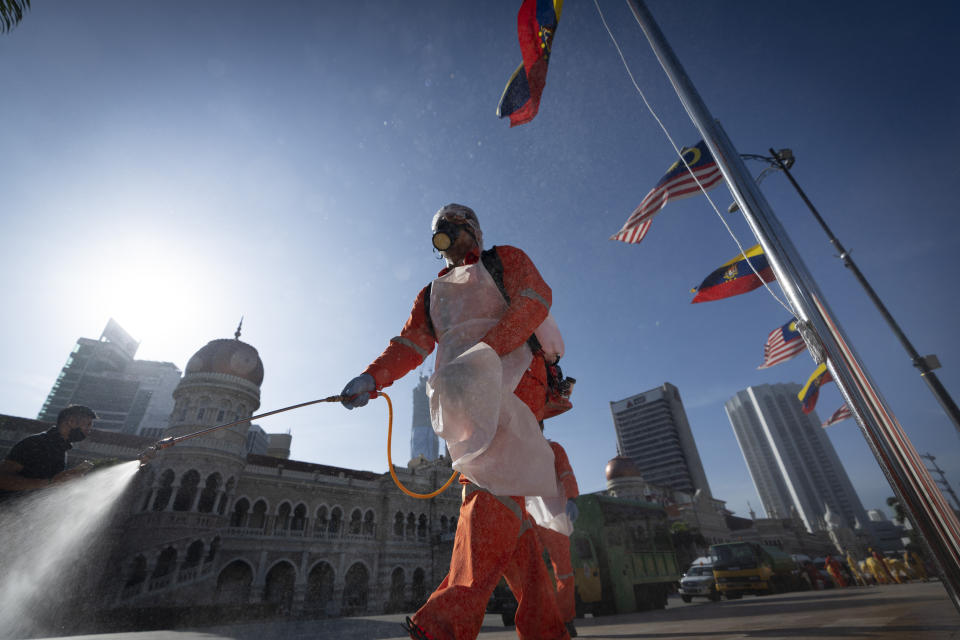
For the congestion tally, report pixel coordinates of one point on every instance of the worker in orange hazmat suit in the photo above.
(487, 394)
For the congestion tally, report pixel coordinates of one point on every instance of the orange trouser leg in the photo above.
(487, 545)
(537, 616)
(558, 546)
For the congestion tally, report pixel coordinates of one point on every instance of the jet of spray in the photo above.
(44, 535)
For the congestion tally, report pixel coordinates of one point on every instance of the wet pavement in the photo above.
(920, 610)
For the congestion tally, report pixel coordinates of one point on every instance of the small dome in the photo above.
(232, 357)
(622, 467)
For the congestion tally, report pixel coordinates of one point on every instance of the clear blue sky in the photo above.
(177, 165)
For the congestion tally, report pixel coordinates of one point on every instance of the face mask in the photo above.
(447, 233)
(76, 435)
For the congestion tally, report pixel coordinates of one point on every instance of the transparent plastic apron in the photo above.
(493, 437)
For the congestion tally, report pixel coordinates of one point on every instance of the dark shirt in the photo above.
(43, 455)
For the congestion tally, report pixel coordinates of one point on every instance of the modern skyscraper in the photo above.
(790, 458)
(130, 396)
(423, 439)
(653, 431)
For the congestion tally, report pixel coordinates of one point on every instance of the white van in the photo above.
(698, 580)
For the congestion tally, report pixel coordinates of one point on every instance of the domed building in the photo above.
(217, 529)
(624, 479)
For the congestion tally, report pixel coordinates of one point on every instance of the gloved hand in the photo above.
(572, 511)
(357, 392)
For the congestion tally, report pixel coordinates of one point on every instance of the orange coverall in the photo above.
(557, 544)
(835, 571)
(494, 535)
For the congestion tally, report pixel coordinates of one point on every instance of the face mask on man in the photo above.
(76, 435)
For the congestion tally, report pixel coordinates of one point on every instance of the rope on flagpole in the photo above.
(685, 164)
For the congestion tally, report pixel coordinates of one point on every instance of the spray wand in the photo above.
(150, 452)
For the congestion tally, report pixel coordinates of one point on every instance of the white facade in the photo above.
(790, 458)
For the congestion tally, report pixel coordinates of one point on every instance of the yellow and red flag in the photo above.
(536, 25)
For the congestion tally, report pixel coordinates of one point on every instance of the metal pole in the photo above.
(909, 478)
(920, 362)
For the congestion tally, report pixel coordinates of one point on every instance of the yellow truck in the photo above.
(747, 567)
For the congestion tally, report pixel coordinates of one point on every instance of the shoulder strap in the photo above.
(426, 308)
(491, 260)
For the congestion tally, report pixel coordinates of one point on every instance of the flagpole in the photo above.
(900, 462)
(927, 364)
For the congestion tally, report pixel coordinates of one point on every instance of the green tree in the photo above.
(686, 542)
(11, 13)
(900, 517)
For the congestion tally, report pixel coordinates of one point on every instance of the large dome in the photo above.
(232, 357)
(622, 467)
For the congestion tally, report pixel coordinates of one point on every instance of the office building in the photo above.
(653, 431)
(790, 458)
(129, 396)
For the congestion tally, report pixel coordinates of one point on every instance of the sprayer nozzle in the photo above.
(147, 455)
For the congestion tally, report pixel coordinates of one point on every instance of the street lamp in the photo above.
(785, 155)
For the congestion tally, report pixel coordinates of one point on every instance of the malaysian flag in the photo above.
(678, 183)
(782, 344)
(839, 415)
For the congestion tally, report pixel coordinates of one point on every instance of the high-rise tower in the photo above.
(132, 396)
(790, 458)
(423, 440)
(653, 431)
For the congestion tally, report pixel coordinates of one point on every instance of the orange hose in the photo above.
(393, 474)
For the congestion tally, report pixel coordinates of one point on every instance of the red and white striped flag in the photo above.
(782, 344)
(678, 183)
(839, 415)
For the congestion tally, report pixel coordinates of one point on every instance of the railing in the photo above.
(158, 583)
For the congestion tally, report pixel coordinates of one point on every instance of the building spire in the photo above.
(236, 334)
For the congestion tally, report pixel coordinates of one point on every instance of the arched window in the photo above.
(335, 517)
(398, 524)
(418, 588)
(279, 585)
(194, 554)
(239, 514)
(138, 571)
(233, 583)
(187, 491)
(319, 590)
(164, 491)
(443, 524)
(258, 517)
(355, 590)
(320, 523)
(165, 563)
(209, 494)
(411, 525)
(283, 518)
(368, 523)
(397, 586)
(422, 526)
(356, 522)
(299, 521)
(453, 524)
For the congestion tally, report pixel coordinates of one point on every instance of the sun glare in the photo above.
(153, 297)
